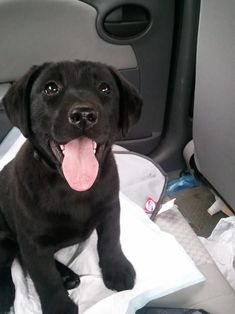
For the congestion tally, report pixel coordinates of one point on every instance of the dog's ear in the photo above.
(130, 102)
(16, 101)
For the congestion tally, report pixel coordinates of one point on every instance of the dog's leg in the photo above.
(41, 266)
(8, 251)
(70, 279)
(118, 272)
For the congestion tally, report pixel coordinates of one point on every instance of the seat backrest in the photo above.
(214, 108)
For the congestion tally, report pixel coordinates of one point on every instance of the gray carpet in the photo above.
(193, 204)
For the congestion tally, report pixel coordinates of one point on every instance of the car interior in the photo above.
(180, 56)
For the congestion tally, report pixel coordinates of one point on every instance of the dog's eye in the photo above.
(51, 88)
(104, 88)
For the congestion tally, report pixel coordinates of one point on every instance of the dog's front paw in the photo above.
(119, 274)
(71, 282)
(70, 279)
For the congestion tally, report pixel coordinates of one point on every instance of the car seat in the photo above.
(214, 108)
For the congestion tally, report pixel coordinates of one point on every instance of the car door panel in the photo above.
(33, 32)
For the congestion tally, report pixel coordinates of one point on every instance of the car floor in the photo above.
(193, 203)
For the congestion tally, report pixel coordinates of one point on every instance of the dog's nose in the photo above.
(83, 117)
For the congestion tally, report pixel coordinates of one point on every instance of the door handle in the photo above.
(126, 21)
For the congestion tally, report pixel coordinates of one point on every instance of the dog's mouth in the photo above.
(78, 159)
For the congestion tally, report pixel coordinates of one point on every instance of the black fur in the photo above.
(39, 212)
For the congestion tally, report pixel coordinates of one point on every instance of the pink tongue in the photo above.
(80, 166)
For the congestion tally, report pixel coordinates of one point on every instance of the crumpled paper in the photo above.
(221, 246)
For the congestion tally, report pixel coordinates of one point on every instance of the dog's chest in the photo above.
(67, 221)
(61, 230)
(62, 236)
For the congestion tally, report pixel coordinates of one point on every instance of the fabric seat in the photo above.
(214, 105)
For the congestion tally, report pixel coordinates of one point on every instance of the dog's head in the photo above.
(72, 112)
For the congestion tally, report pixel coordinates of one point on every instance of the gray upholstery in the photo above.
(3, 89)
(214, 295)
(33, 32)
(214, 112)
(214, 141)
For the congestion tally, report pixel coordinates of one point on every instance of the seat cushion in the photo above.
(214, 295)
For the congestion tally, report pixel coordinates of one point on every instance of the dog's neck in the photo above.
(41, 158)
(40, 155)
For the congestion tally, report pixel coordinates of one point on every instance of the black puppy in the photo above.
(63, 183)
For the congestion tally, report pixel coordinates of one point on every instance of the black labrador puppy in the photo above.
(63, 183)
